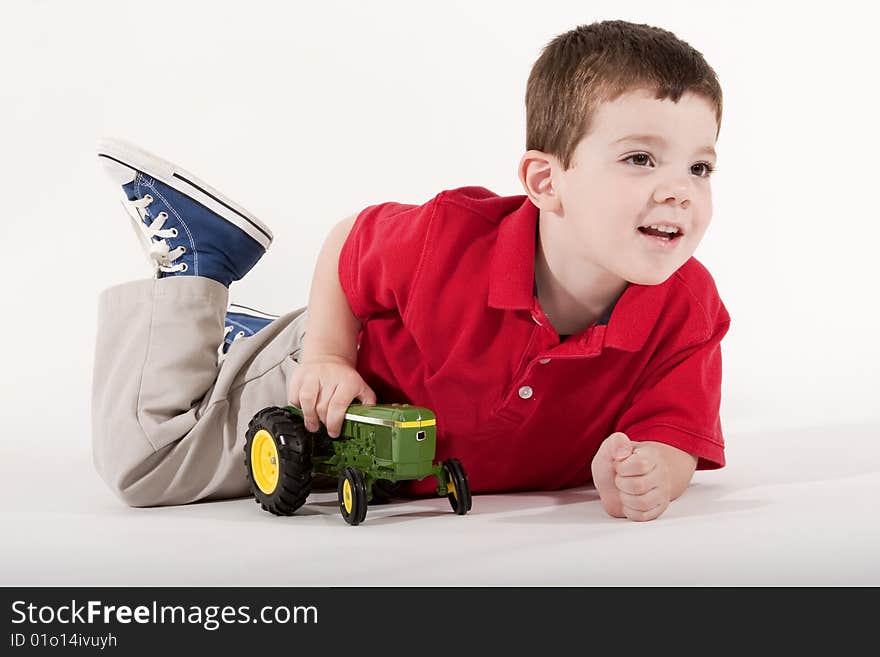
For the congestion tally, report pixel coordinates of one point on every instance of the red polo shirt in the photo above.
(445, 291)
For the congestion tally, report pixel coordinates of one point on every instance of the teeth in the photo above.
(664, 228)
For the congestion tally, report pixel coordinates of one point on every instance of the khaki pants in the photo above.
(168, 421)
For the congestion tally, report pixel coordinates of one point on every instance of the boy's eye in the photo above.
(707, 169)
(641, 159)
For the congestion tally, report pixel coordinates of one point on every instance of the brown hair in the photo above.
(594, 63)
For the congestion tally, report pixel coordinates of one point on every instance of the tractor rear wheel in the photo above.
(278, 460)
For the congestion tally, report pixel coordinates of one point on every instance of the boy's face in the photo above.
(613, 187)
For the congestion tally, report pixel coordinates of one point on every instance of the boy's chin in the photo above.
(649, 278)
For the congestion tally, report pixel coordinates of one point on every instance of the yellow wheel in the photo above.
(346, 496)
(458, 490)
(264, 461)
(278, 460)
(352, 496)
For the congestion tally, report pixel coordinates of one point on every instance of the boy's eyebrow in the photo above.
(657, 139)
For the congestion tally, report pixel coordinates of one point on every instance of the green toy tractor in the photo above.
(379, 446)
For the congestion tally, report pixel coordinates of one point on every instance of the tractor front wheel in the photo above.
(457, 486)
(352, 492)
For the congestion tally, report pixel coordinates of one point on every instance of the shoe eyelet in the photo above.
(163, 215)
(148, 198)
(182, 249)
(240, 334)
(185, 267)
(174, 234)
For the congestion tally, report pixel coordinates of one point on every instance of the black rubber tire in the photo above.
(461, 502)
(384, 491)
(293, 444)
(355, 478)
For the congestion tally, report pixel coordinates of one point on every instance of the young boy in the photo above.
(560, 336)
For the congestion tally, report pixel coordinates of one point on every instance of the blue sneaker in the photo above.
(242, 322)
(186, 227)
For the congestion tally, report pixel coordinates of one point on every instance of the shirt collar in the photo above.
(512, 276)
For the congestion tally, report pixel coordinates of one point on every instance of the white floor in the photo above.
(791, 508)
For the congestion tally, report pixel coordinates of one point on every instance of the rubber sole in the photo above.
(136, 159)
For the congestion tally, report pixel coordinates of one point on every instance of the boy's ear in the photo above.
(536, 175)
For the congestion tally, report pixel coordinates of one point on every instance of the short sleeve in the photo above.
(679, 402)
(379, 260)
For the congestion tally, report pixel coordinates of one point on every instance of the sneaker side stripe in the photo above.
(225, 205)
(254, 310)
(238, 309)
(110, 157)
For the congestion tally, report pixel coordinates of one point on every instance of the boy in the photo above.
(561, 336)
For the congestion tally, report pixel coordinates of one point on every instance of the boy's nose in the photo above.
(675, 190)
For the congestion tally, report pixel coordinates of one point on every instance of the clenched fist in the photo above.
(633, 478)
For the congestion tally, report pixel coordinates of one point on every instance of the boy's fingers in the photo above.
(343, 396)
(336, 411)
(308, 396)
(366, 395)
(327, 404)
(293, 388)
(650, 500)
(328, 391)
(634, 466)
(644, 516)
(618, 445)
(635, 485)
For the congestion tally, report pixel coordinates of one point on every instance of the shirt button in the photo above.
(544, 361)
(525, 392)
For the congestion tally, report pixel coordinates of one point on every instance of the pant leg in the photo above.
(168, 421)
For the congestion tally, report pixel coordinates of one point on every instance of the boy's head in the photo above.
(590, 89)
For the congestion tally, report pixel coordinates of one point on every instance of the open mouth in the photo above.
(659, 234)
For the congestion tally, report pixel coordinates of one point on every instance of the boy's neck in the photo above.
(572, 293)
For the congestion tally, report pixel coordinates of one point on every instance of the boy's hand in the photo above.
(632, 478)
(323, 388)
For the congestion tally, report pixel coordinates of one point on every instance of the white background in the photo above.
(306, 112)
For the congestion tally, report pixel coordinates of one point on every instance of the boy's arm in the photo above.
(332, 328)
(327, 381)
(359, 273)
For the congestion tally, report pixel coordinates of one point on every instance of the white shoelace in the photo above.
(160, 253)
(229, 329)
